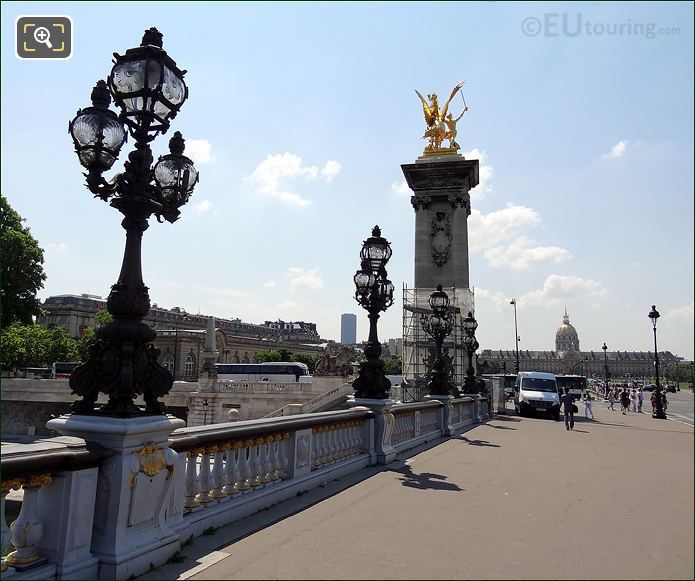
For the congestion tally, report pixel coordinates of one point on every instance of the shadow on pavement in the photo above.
(504, 418)
(484, 443)
(425, 480)
(500, 427)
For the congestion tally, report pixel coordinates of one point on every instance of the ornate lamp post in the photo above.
(471, 345)
(516, 336)
(374, 292)
(605, 368)
(659, 408)
(438, 325)
(149, 89)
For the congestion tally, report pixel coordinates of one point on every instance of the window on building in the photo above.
(189, 365)
(168, 363)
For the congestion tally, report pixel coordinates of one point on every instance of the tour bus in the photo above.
(277, 371)
(63, 369)
(576, 383)
(536, 391)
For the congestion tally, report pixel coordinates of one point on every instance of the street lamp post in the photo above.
(149, 89)
(516, 335)
(659, 408)
(374, 292)
(438, 325)
(471, 345)
(605, 368)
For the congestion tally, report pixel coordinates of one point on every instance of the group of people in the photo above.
(632, 399)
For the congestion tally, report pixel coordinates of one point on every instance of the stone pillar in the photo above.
(383, 429)
(441, 202)
(134, 489)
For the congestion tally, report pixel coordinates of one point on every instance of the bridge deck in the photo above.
(517, 498)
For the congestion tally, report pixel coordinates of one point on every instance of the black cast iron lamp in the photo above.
(438, 325)
(659, 407)
(470, 342)
(374, 292)
(148, 87)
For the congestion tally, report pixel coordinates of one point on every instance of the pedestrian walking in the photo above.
(611, 401)
(640, 400)
(587, 406)
(624, 400)
(664, 401)
(567, 402)
(633, 400)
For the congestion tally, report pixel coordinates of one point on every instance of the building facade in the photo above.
(568, 359)
(181, 336)
(348, 329)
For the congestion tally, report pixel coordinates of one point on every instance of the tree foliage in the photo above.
(35, 346)
(22, 268)
(393, 365)
(101, 317)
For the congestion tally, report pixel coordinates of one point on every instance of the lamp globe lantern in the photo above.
(659, 412)
(438, 325)
(471, 344)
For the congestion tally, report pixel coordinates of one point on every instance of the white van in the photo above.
(536, 392)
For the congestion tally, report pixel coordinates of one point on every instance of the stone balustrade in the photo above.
(197, 478)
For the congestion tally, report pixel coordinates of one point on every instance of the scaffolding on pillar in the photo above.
(418, 346)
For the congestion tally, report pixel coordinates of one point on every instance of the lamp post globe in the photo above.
(373, 292)
(148, 87)
(659, 412)
(438, 325)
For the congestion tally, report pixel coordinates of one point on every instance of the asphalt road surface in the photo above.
(681, 406)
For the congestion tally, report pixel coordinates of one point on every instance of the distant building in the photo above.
(568, 359)
(396, 346)
(181, 336)
(348, 329)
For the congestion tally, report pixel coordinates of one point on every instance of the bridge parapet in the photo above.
(195, 479)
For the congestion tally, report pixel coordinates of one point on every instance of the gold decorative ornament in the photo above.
(152, 460)
(441, 124)
(11, 485)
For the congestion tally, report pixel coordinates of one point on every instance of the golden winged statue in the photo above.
(441, 125)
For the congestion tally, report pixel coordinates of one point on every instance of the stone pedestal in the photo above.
(134, 490)
(442, 204)
(447, 412)
(383, 429)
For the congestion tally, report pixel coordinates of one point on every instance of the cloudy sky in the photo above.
(300, 115)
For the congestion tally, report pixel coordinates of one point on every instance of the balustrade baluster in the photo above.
(243, 462)
(27, 530)
(322, 433)
(263, 476)
(277, 464)
(204, 477)
(230, 470)
(253, 479)
(284, 469)
(189, 499)
(268, 453)
(218, 471)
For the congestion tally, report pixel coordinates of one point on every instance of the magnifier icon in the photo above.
(42, 36)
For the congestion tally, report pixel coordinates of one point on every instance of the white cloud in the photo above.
(498, 299)
(56, 248)
(484, 174)
(520, 254)
(488, 230)
(401, 188)
(330, 170)
(618, 150)
(681, 314)
(269, 284)
(558, 289)
(274, 169)
(199, 150)
(300, 278)
(203, 207)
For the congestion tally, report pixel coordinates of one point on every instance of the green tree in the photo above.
(35, 346)
(393, 365)
(22, 268)
(309, 360)
(282, 354)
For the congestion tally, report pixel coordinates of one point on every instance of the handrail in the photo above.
(188, 438)
(21, 460)
(312, 404)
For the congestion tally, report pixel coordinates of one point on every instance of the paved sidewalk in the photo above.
(517, 498)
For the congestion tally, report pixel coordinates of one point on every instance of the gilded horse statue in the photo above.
(441, 125)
